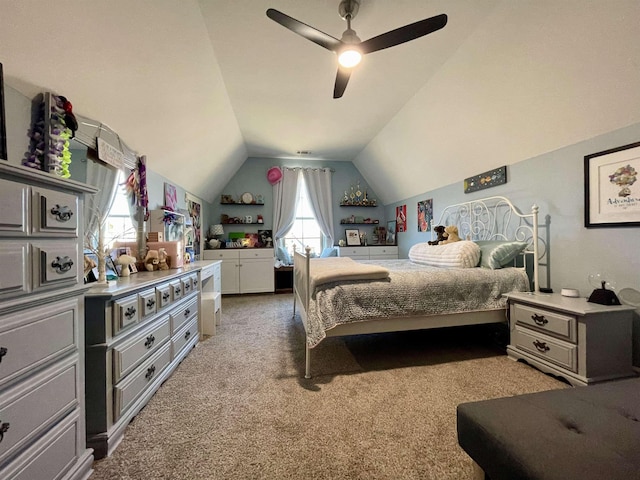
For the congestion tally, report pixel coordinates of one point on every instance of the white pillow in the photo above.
(462, 254)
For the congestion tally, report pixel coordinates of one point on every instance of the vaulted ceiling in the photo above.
(198, 86)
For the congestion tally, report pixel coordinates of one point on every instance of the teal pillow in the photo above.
(496, 254)
(283, 255)
(329, 252)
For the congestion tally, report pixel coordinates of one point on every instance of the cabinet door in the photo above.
(256, 275)
(230, 276)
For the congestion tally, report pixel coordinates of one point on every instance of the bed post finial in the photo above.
(536, 275)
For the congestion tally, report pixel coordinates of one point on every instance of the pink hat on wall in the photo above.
(274, 175)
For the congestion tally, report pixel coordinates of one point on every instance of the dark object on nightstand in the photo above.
(603, 296)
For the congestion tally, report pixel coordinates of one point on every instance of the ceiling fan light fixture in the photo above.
(349, 57)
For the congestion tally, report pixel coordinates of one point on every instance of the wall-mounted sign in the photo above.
(110, 154)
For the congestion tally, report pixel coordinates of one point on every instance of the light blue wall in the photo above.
(252, 177)
(555, 182)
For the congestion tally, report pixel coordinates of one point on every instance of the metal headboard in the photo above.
(496, 218)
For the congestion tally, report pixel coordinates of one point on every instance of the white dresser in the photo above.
(248, 270)
(42, 417)
(386, 252)
(137, 332)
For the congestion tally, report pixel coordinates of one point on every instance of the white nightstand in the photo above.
(580, 341)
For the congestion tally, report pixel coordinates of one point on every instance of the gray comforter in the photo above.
(411, 290)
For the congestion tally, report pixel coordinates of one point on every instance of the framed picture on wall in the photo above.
(353, 236)
(3, 127)
(611, 187)
(391, 232)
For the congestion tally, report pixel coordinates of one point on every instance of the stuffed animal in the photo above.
(452, 235)
(439, 229)
(163, 259)
(152, 260)
(89, 264)
(125, 261)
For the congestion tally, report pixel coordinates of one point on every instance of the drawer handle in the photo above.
(3, 352)
(165, 296)
(541, 346)
(178, 290)
(63, 214)
(149, 342)
(3, 429)
(187, 335)
(539, 319)
(131, 311)
(195, 283)
(187, 312)
(62, 264)
(151, 371)
(150, 303)
(186, 288)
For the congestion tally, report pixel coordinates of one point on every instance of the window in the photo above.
(305, 231)
(118, 226)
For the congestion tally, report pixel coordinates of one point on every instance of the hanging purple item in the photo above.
(143, 198)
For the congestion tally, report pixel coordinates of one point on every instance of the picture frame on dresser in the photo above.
(611, 189)
(353, 237)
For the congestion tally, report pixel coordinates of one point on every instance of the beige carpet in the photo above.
(379, 406)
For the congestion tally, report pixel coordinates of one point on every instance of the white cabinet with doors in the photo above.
(248, 270)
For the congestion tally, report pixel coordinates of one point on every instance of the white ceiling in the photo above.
(198, 86)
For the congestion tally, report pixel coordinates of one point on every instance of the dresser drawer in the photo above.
(33, 337)
(182, 314)
(51, 456)
(14, 275)
(548, 348)
(32, 407)
(195, 282)
(148, 302)
(383, 252)
(55, 263)
(221, 254)
(163, 296)
(54, 213)
(187, 285)
(127, 355)
(134, 384)
(256, 253)
(184, 337)
(13, 214)
(125, 313)
(177, 290)
(553, 323)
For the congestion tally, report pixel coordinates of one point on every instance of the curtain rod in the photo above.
(308, 168)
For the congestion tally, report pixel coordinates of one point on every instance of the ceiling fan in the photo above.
(350, 48)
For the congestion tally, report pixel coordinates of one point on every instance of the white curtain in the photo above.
(285, 198)
(318, 181)
(97, 206)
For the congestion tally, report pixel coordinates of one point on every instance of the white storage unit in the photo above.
(42, 416)
(211, 296)
(248, 270)
(137, 333)
(387, 252)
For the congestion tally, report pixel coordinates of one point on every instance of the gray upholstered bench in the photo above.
(579, 433)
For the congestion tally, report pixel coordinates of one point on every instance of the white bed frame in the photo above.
(493, 218)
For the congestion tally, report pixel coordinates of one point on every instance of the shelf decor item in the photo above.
(353, 237)
(611, 190)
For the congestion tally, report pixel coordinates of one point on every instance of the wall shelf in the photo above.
(244, 204)
(359, 223)
(356, 205)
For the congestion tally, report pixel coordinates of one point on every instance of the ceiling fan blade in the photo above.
(342, 78)
(304, 30)
(404, 34)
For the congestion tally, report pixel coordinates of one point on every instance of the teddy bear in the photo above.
(125, 261)
(439, 229)
(152, 260)
(452, 235)
(163, 259)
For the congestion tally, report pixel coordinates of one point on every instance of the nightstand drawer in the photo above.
(550, 322)
(545, 347)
